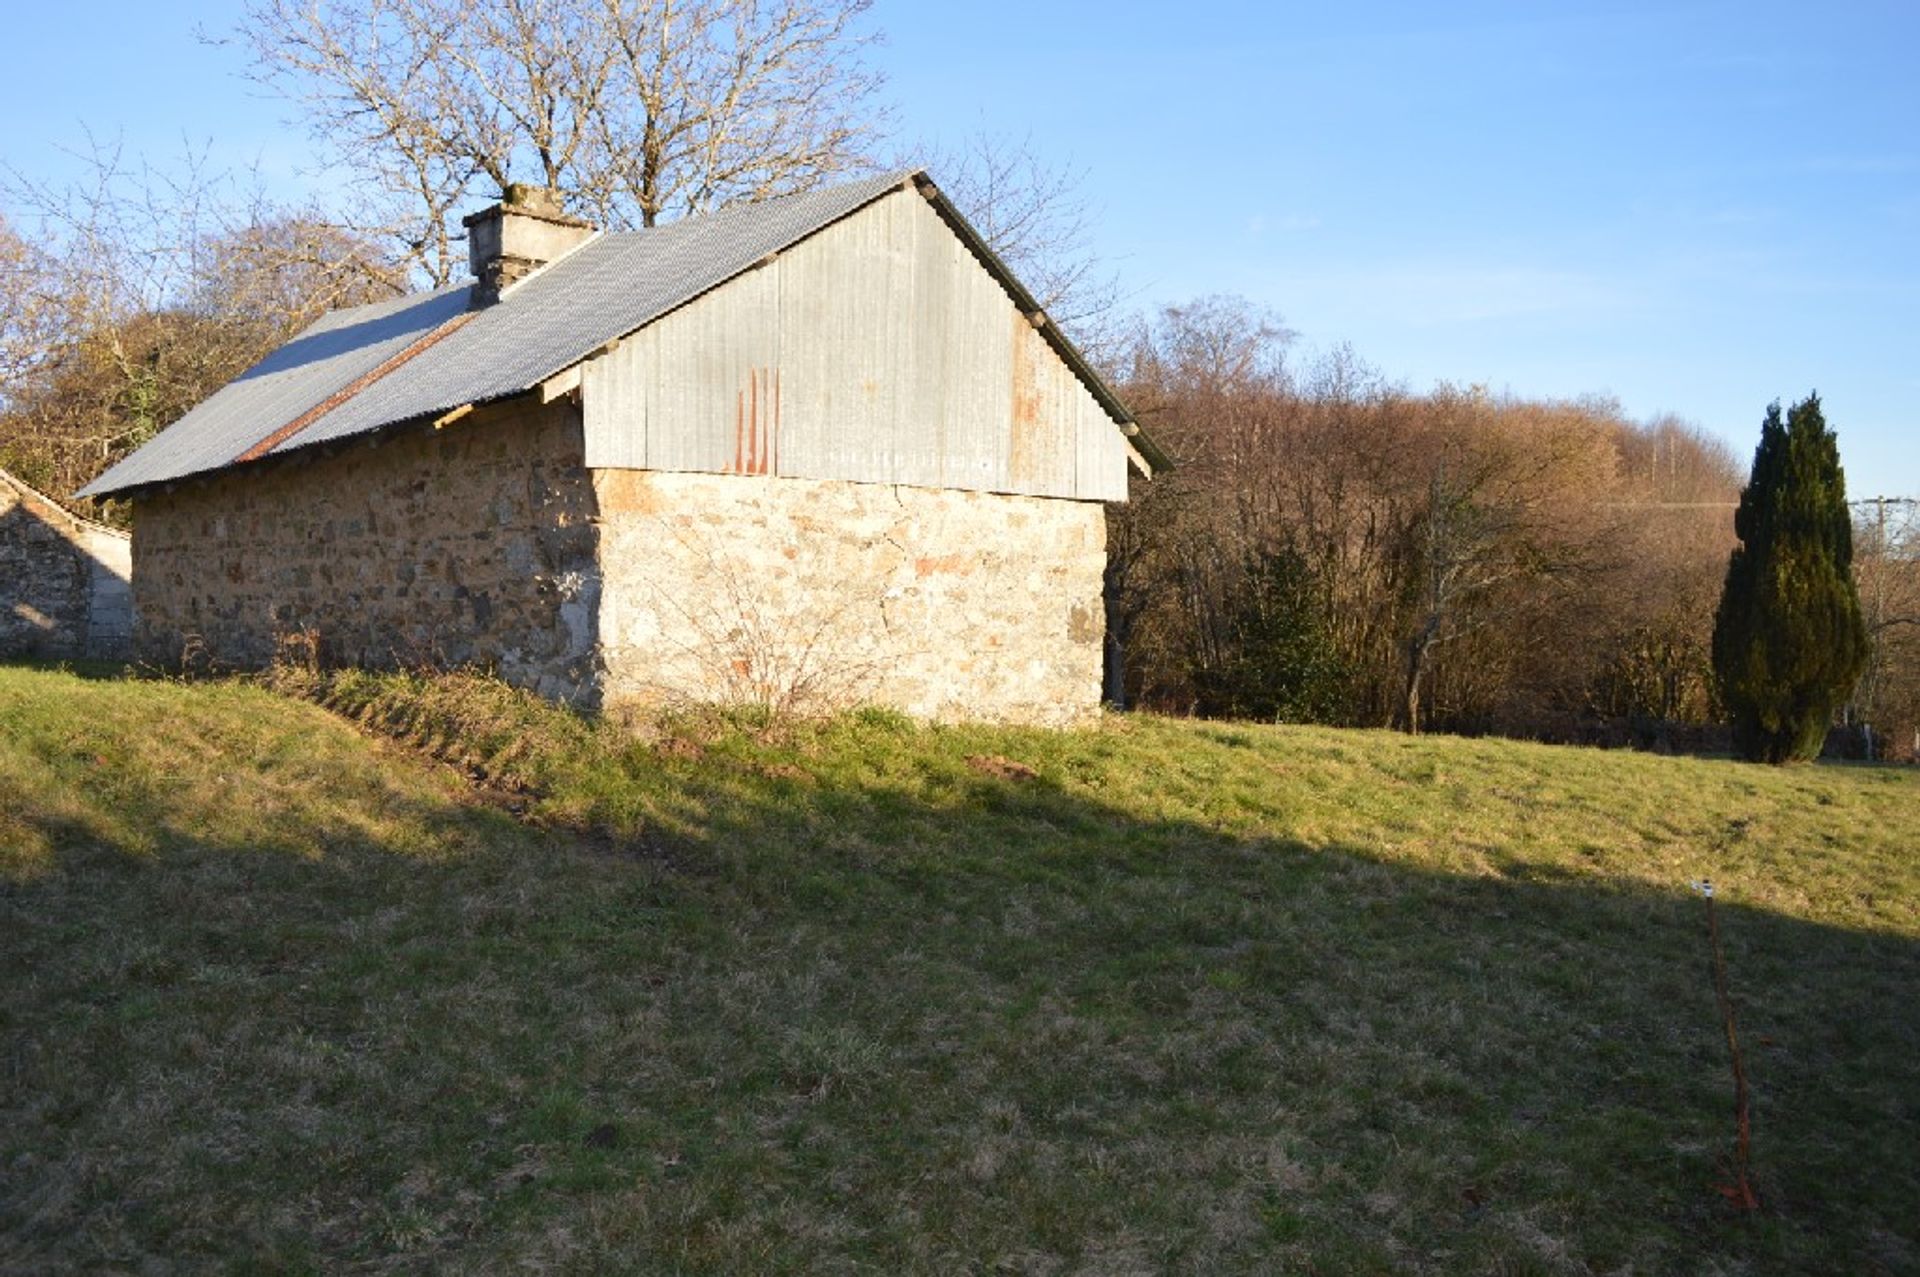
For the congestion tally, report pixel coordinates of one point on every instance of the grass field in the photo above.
(441, 979)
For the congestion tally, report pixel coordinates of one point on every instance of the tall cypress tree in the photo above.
(1788, 639)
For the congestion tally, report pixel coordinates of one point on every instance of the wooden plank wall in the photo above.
(877, 350)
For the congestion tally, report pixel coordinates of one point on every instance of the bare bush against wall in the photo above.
(747, 650)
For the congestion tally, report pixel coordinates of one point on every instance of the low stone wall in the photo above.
(469, 545)
(63, 580)
(818, 594)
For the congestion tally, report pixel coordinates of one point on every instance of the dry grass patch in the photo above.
(1186, 997)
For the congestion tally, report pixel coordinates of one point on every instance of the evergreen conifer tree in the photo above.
(1788, 639)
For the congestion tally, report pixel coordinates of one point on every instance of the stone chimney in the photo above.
(517, 236)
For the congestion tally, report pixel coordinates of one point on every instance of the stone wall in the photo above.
(468, 545)
(489, 543)
(63, 580)
(946, 604)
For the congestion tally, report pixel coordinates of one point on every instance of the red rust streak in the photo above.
(753, 422)
(425, 342)
(739, 431)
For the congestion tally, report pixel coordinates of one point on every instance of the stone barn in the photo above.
(63, 580)
(815, 451)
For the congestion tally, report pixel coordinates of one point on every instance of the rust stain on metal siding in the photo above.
(1023, 460)
(753, 415)
(426, 342)
(739, 432)
(756, 423)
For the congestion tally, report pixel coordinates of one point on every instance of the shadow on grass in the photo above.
(984, 1024)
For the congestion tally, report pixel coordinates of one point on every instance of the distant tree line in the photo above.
(1885, 707)
(1333, 547)
(1330, 546)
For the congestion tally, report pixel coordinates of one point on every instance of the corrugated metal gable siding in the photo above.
(1044, 407)
(926, 449)
(613, 405)
(876, 350)
(966, 371)
(845, 344)
(1100, 454)
(698, 392)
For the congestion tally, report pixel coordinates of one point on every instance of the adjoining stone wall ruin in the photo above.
(63, 580)
(468, 545)
(942, 603)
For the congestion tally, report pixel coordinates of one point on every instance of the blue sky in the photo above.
(1695, 208)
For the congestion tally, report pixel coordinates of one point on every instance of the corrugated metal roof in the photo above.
(334, 351)
(602, 291)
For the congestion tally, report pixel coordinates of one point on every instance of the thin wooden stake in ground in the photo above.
(1740, 1192)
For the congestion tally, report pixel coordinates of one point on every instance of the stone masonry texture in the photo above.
(820, 594)
(471, 545)
(488, 543)
(63, 580)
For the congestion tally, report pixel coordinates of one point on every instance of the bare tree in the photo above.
(1653, 625)
(1498, 531)
(1206, 378)
(1035, 216)
(138, 291)
(29, 311)
(635, 110)
(737, 100)
(1886, 567)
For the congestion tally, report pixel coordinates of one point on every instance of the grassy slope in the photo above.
(1196, 998)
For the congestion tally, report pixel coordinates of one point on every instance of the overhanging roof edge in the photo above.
(1061, 343)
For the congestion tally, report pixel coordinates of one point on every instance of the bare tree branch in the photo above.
(635, 110)
(1036, 218)
(134, 293)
